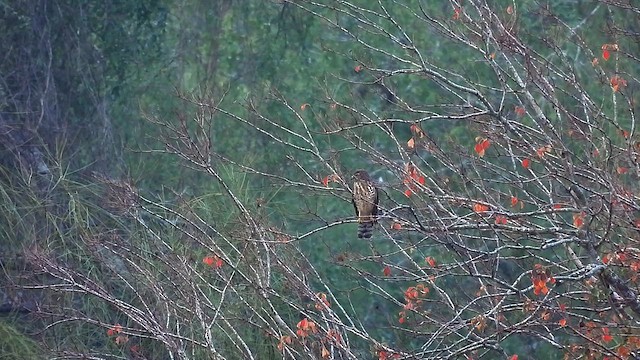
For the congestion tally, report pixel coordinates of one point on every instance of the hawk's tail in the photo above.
(365, 229)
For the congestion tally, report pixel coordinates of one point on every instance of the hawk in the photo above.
(365, 201)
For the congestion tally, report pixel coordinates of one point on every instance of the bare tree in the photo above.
(507, 175)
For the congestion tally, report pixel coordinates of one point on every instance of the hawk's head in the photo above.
(361, 175)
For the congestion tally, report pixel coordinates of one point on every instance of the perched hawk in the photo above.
(365, 201)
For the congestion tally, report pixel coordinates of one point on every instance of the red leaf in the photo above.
(396, 226)
(386, 271)
(213, 261)
(481, 146)
(431, 261)
(514, 357)
(605, 54)
(121, 339)
(543, 150)
(501, 220)
(456, 13)
(358, 68)
(526, 163)
(325, 181)
(617, 82)
(520, 111)
(514, 201)
(408, 192)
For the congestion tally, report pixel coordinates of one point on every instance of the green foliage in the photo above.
(17, 346)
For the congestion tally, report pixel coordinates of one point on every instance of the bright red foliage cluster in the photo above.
(413, 297)
(306, 327)
(411, 179)
(540, 277)
(214, 261)
(482, 144)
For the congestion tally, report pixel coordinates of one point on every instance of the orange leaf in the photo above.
(121, 339)
(431, 261)
(208, 260)
(562, 322)
(606, 337)
(325, 353)
(456, 13)
(322, 303)
(213, 261)
(416, 131)
(526, 163)
(617, 82)
(578, 220)
(386, 271)
(481, 146)
(501, 220)
(543, 150)
(623, 352)
(480, 208)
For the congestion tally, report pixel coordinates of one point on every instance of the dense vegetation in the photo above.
(175, 179)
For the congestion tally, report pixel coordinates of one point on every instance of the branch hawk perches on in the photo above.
(365, 201)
